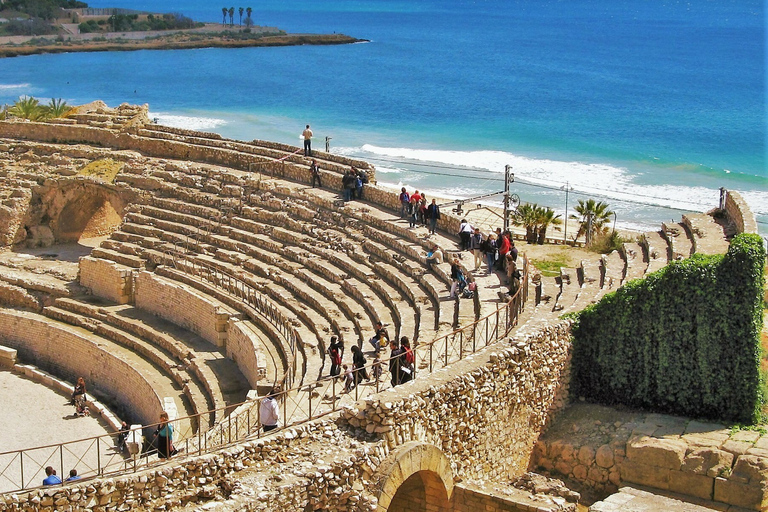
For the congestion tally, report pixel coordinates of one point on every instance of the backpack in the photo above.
(409, 356)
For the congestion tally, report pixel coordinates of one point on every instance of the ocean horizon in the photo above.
(649, 107)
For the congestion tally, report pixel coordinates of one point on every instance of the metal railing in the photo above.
(98, 457)
(248, 294)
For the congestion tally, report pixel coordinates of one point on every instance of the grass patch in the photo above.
(551, 265)
(104, 170)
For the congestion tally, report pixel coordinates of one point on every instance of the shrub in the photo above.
(685, 340)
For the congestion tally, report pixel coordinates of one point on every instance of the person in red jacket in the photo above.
(504, 247)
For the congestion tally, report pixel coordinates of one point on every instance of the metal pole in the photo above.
(506, 197)
(614, 223)
(565, 233)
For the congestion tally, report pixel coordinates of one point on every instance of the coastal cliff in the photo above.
(176, 41)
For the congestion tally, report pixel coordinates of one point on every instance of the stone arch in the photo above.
(74, 209)
(412, 475)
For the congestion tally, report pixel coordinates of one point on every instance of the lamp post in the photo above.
(567, 187)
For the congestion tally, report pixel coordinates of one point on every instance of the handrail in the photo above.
(250, 296)
(297, 404)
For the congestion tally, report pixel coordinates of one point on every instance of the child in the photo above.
(376, 368)
(349, 380)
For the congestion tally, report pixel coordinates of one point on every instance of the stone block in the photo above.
(741, 495)
(707, 461)
(604, 456)
(690, 484)
(662, 453)
(644, 474)
(736, 447)
(586, 455)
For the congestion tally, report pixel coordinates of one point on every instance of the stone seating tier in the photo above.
(636, 265)
(211, 371)
(167, 368)
(294, 238)
(707, 236)
(656, 249)
(679, 240)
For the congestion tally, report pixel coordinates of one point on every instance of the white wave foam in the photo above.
(10, 87)
(600, 180)
(187, 122)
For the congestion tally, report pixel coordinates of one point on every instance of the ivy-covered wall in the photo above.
(685, 340)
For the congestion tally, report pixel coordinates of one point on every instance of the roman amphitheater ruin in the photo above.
(220, 273)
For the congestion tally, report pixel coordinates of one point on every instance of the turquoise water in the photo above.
(651, 106)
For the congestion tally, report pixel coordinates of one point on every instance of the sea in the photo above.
(650, 106)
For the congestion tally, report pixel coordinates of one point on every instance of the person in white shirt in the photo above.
(307, 134)
(434, 257)
(269, 412)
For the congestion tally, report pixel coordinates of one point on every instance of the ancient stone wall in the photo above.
(182, 306)
(739, 213)
(107, 279)
(702, 460)
(484, 417)
(484, 413)
(242, 348)
(70, 353)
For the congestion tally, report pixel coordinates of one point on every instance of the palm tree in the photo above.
(231, 16)
(224, 13)
(593, 217)
(248, 11)
(27, 107)
(240, 10)
(56, 108)
(546, 218)
(526, 215)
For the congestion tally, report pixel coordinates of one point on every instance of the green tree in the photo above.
(593, 217)
(224, 14)
(526, 215)
(248, 11)
(231, 16)
(27, 107)
(55, 108)
(241, 10)
(546, 217)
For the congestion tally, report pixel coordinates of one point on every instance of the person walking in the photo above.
(457, 276)
(395, 363)
(269, 412)
(335, 352)
(408, 367)
(465, 233)
(164, 435)
(433, 214)
(358, 365)
(315, 170)
(413, 211)
(490, 251)
(405, 200)
(307, 134)
(476, 246)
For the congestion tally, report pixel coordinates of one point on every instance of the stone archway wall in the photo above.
(67, 210)
(411, 475)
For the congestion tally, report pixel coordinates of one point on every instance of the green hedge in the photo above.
(684, 340)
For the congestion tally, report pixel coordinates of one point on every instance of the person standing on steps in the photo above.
(476, 246)
(433, 214)
(307, 134)
(465, 233)
(405, 201)
(269, 413)
(335, 351)
(315, 170)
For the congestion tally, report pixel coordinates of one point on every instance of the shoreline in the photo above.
(173, 42)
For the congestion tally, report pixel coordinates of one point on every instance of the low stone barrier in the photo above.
(702, 460)
(739, 213)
